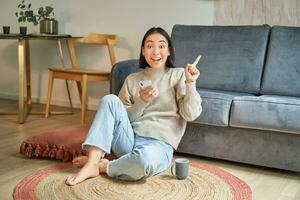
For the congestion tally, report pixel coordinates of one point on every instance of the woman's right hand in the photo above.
(149, 94)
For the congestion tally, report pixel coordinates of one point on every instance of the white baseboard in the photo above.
(91, 104)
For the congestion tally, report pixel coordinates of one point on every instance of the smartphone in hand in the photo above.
(145, 83)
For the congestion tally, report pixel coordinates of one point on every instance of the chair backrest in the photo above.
(108, 40)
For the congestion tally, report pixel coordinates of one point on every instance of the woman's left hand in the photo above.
(191, 71)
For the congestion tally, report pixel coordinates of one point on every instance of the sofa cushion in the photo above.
(282, 71)
(119, 72)
(232, 56)
(216, 106)
(269, 112)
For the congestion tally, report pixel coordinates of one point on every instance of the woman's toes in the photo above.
(70, 180)
(89, 170)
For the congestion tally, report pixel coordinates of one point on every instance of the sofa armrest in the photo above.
(120, 71)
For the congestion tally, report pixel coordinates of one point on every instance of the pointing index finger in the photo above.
(197, 60)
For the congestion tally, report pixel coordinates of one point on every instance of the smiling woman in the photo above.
(142, 126)
(156, 49)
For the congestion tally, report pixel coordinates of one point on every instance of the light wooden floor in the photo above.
(266, 184)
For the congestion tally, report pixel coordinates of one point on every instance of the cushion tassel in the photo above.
(46, 151)
(29, 151)
(66, 156)
(38, 151)
(60, 153)
(22, 148)
(53, 152)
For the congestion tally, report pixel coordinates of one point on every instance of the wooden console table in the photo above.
(24, 69)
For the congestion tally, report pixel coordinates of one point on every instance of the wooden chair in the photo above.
(81, 76)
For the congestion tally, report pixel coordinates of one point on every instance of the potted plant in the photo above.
(25, 14)
(48, 24)
(45, 16)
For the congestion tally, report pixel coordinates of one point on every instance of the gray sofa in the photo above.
(250, 89)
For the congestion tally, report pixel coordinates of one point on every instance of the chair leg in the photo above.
(69, 96)
(79, 86)
(49, 93)
(83, 98)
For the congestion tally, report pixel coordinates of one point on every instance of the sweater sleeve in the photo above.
(188, 99)
(134, 104)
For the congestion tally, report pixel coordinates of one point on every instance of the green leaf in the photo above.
(16, 14)
(40, 11)
(49, 9)
(21, 13)
(34, 21)
(24, 19)
(27, 13)
(23, 6)
(20, 19)
(19, 5)
(29, 5)
(23, 1)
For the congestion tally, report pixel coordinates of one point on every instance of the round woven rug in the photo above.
(204, 182)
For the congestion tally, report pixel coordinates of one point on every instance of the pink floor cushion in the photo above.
(62, 144)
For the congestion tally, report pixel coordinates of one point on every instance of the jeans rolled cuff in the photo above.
(85, 146)
(109, 170)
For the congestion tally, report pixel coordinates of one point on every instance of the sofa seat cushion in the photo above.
(269, 112)
(216, 106)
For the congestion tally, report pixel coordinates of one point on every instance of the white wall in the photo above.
(128, 19)
(253, 12)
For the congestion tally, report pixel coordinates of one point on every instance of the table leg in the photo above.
(21, 59)
(28, 79)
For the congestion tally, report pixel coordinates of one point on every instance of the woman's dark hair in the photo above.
(170, 60)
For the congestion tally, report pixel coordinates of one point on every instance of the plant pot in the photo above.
(6, 29)
(48, 26)
(23, 30)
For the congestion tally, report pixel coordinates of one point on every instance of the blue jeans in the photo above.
(138, 156)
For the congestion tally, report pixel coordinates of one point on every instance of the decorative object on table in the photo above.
(24, 14)
(6, 29)
(45, 15)
(204, 182)
(48, 25)
(23, 30)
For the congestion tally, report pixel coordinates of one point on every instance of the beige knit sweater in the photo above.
(165, 117)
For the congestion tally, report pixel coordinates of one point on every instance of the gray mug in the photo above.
(180, 168)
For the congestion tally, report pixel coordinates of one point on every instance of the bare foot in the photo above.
(103, 166)
(80, 161)
(89, 170)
